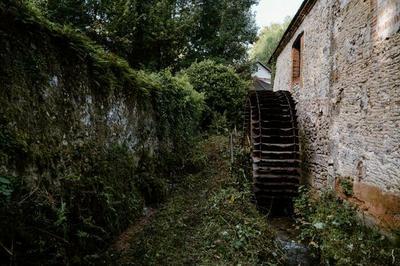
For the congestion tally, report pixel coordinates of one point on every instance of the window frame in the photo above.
(297, 60)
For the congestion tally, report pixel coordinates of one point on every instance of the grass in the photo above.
(209, 220)
(337, 235)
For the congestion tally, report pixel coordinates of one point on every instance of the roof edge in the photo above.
(303, 11)
(264, 66)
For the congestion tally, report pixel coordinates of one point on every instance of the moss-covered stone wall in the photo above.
(82, 140)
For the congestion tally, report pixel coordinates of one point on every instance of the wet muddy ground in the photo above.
(298, 254)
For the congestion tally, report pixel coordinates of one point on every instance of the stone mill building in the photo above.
(340, 59)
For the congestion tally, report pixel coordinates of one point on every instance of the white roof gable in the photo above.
(262, 73)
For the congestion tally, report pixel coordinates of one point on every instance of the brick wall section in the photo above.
(349, 103)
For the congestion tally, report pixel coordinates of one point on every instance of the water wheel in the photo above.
(272, 136)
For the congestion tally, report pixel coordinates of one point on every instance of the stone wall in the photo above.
(86, 142)
(349, 101)
(313, 97)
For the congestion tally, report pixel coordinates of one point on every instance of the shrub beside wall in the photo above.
(223, 89)
(83, 140)
(337, 235)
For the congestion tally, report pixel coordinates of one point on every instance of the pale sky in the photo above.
(275, 11)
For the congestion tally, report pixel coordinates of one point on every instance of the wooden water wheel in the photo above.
(272, 135)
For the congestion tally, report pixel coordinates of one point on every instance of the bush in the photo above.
(224, 91)
(333, 231)
(178, 112)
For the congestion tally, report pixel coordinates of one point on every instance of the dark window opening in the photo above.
(297, 60)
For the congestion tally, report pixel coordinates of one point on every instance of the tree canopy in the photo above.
(268, 39)
(156, 34)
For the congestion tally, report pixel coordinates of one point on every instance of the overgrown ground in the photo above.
(208, 220)
(337, 235)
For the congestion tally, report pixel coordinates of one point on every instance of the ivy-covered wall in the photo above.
(85, 141)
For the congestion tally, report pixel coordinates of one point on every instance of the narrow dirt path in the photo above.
(124, 241)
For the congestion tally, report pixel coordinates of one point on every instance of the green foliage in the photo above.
(160, 33)
(178, 112)
(333, 230)
(178, 105)
(223, 31)
(223, 89)
(268, 40)
(241, 167)
(208, 221)
(69, 185)
(6, 188)
(219, 124)
(69, 182)
(347, 186)
(78, 215)
(234, 233)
